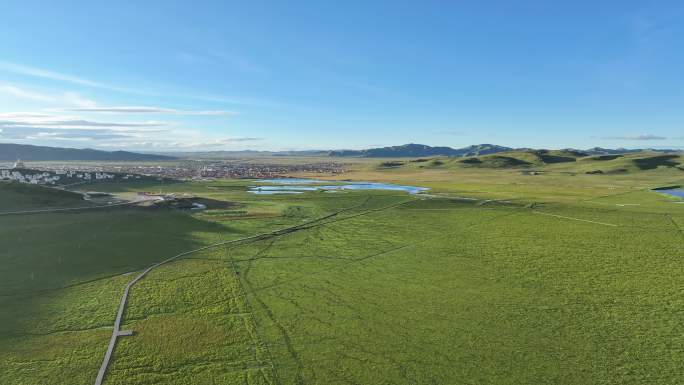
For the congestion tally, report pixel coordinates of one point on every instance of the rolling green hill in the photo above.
(632, 162)
(524, 158)
(555, 160)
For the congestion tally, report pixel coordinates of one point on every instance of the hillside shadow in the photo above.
(496, 161)
(653, 162)
(45, 257)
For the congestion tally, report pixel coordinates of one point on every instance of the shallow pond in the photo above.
(298, 186)
(290, 181)
(673, 192)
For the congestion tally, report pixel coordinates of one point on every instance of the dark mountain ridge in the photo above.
(27, 152)
(11, 152)
(417, 150)
(412, 150)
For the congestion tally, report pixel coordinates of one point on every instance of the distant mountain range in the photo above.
(609, 151)
(26, 152)
(420, 150)
(240, 154)
(11, 152)
(417, 150)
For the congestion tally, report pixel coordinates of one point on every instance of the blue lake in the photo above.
(298, 186)
(673, 192)
(291, 181)
(271, 192)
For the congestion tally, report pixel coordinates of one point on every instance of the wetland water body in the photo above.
(673, 192)
(298, 186)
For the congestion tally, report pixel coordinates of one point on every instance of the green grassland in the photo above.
(555, 277)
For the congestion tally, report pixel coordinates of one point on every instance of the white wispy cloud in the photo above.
(234, 60)
(24, 93)
(60, 117)
(64, 98)
(82, 104)
(69, 122)
(148, 110)
(50, 134)
(22, 115)
(636, 137)
(51, 129)
(247, 101)
(189, 143)
(25, 70)
(46, 74)
(45, 127)
(216, 143)
(16, 68)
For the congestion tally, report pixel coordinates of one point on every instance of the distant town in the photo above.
(69, 173)
(62, 176)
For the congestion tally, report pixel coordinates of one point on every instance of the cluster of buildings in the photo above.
(32, 177)
(220, 170)
(19, 173)
(199, 170)
(86, 176)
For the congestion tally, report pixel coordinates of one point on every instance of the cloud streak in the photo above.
(69, 98)
(20, 69)
(90, 106)
(70, 122)
(50, 129)
(148, 110)
(25, 94)
(43, 133)
(46, 74)
(636, 137)
(220, 142)
(54, 116)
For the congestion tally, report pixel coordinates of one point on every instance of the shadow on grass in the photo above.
(47, 256)
(653, 162)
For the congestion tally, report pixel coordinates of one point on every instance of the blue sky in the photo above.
(224, 75)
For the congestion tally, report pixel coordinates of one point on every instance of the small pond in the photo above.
(674, 192)
(291, 181)
(298, 186)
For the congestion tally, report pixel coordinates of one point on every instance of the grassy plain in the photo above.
(562, 277)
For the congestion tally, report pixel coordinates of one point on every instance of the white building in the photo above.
(18, 164)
